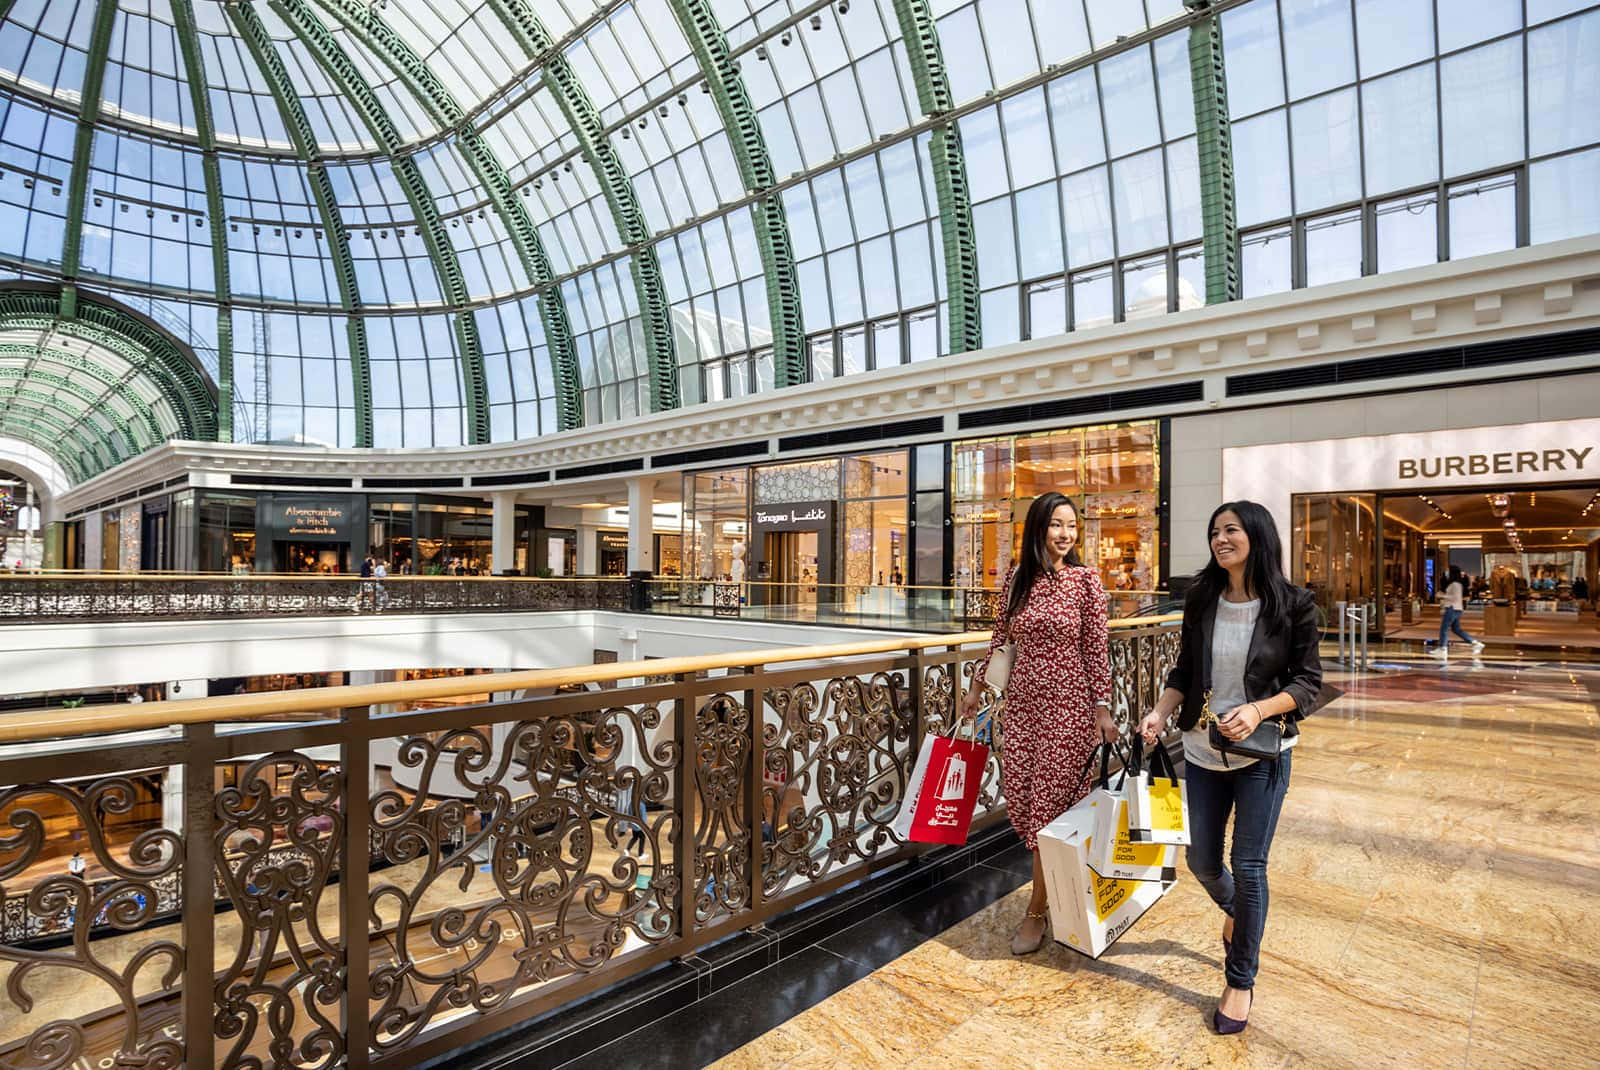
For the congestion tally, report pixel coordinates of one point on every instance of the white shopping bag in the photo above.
(1158, 799)
(1088, 912)
(1113, 855)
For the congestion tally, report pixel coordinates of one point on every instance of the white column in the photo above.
(588, 550)
(641, 524)
(172, 799)
(504, 536)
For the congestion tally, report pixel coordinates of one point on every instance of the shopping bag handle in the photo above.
(1102, 751)
(1160, 762)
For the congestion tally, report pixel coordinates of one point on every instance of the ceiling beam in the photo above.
(621, 197)
(256, 40)
(94, 73)
(698, 21)
(200, 100)
(332, 58)
(117, 388)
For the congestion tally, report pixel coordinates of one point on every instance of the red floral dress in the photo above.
(1061, 668)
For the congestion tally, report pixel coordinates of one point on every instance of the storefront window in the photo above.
(391, 538)
(454, 539)
(715, 520)
(225, 539)
(1110, 472)
(1334, 548)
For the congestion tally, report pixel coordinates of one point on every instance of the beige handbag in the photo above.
(998, 674)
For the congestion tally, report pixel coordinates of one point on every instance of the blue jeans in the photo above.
(1256, 794)
(1450, 621)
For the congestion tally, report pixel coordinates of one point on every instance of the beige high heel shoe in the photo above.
(1021, 947)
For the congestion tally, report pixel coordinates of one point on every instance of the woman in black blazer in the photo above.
(1249, 646)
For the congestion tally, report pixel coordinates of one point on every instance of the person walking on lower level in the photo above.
(1452, 601)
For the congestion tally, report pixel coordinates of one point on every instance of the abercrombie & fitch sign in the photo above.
(1503, 463)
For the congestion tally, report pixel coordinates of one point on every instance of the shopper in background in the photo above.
(1058, 698)
(1452, 600)
(1247, 653)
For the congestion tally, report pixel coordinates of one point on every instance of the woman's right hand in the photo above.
(1150, 728)
(971, 701)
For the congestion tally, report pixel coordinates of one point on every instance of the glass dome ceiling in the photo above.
(428, 222)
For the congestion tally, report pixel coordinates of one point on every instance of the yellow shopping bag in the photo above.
(1158, 807)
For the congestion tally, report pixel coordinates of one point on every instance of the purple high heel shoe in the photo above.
(1227, 1027)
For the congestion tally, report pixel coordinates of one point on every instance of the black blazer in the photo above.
(1282, 658)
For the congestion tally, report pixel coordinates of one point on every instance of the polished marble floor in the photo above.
(1435, 903)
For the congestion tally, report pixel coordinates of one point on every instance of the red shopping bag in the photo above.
(942, 792)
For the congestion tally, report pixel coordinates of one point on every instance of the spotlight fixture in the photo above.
(844, 7)
(199, 222)
(297, 232)
(567, 167)
(705, 87)
(683, 100)
(97, 202)
(662, 111)
(149, 213)
(122, 208)
(174, 217)
(643, 121)
(785, 39)
(538, 184)
(626, 136)
(816, 22)
(455, 222)
(761, 52)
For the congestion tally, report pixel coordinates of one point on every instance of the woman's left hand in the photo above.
(1240, 721)
(1109, 732)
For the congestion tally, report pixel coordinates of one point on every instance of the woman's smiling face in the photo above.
(1229, 543)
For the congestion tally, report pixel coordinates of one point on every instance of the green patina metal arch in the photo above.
(27, 431)
(96, 423)
(83, 147)
(254, 34)
(146, 347)
(949, 174)
(146, 417)
(621, 197)
(699, 24)
(200, 100)
(61, 431)
(1218, 203)
(332, 58)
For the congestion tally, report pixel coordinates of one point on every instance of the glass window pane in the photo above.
(1139, 184)
(1541, 10)
(1039, 225)
(1466, 22)
(1561, 196)
(1333, 248)
(1191, 277)
(997, 244)
(1250, 52)
(1564, 84)
(1001, 316)
(1183, 186)
(1047, 308)
(1263, 185)
(1091, 299)
(1075, 116)
(1144, 288)
(1028, 139)
(1401, 134)
(1408, 232)
(1482, 216)
(1481, 91)
(1318, 52)
(1128, 92)
(886, 344)
(1265, 262)
(1086, 207)
(1327, 151)
(1393, 33)
(1177, 89)
(922, 336)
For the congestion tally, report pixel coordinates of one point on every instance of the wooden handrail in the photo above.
(55, 722)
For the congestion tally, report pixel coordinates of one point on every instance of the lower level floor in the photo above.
(1435, 902)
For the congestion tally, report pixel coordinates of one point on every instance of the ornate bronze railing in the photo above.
(65, 597)
(512, 857)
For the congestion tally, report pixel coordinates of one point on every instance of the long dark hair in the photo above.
(1263, 569)
(1035, 559)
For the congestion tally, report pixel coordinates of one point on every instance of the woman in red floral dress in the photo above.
(1058, 698)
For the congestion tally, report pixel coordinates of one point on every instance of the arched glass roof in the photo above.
(427, 222)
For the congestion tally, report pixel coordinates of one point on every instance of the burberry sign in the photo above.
(1503, 463)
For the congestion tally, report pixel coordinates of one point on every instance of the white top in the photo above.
(1451, 597)
(1230, 649)
(379, 571)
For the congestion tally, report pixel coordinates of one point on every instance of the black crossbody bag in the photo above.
(1266, 742)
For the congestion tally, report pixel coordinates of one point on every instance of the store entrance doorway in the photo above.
(310, 557)
(792, 560)
(1529, 556)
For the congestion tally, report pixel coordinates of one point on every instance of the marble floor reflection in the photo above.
(1435, 903)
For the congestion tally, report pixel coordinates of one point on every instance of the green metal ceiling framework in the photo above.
(1218, 206)
(579, 110)
(83, 149)
(99, 428)
(293, 111)
(95, 453)
(147, 423)
(949, 174)
(368, 26)
(200, 100)
(48, 438)
(174, 373)
(332, 58)
(710, 45)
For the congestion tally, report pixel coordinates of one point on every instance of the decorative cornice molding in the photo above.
(1518, 293)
